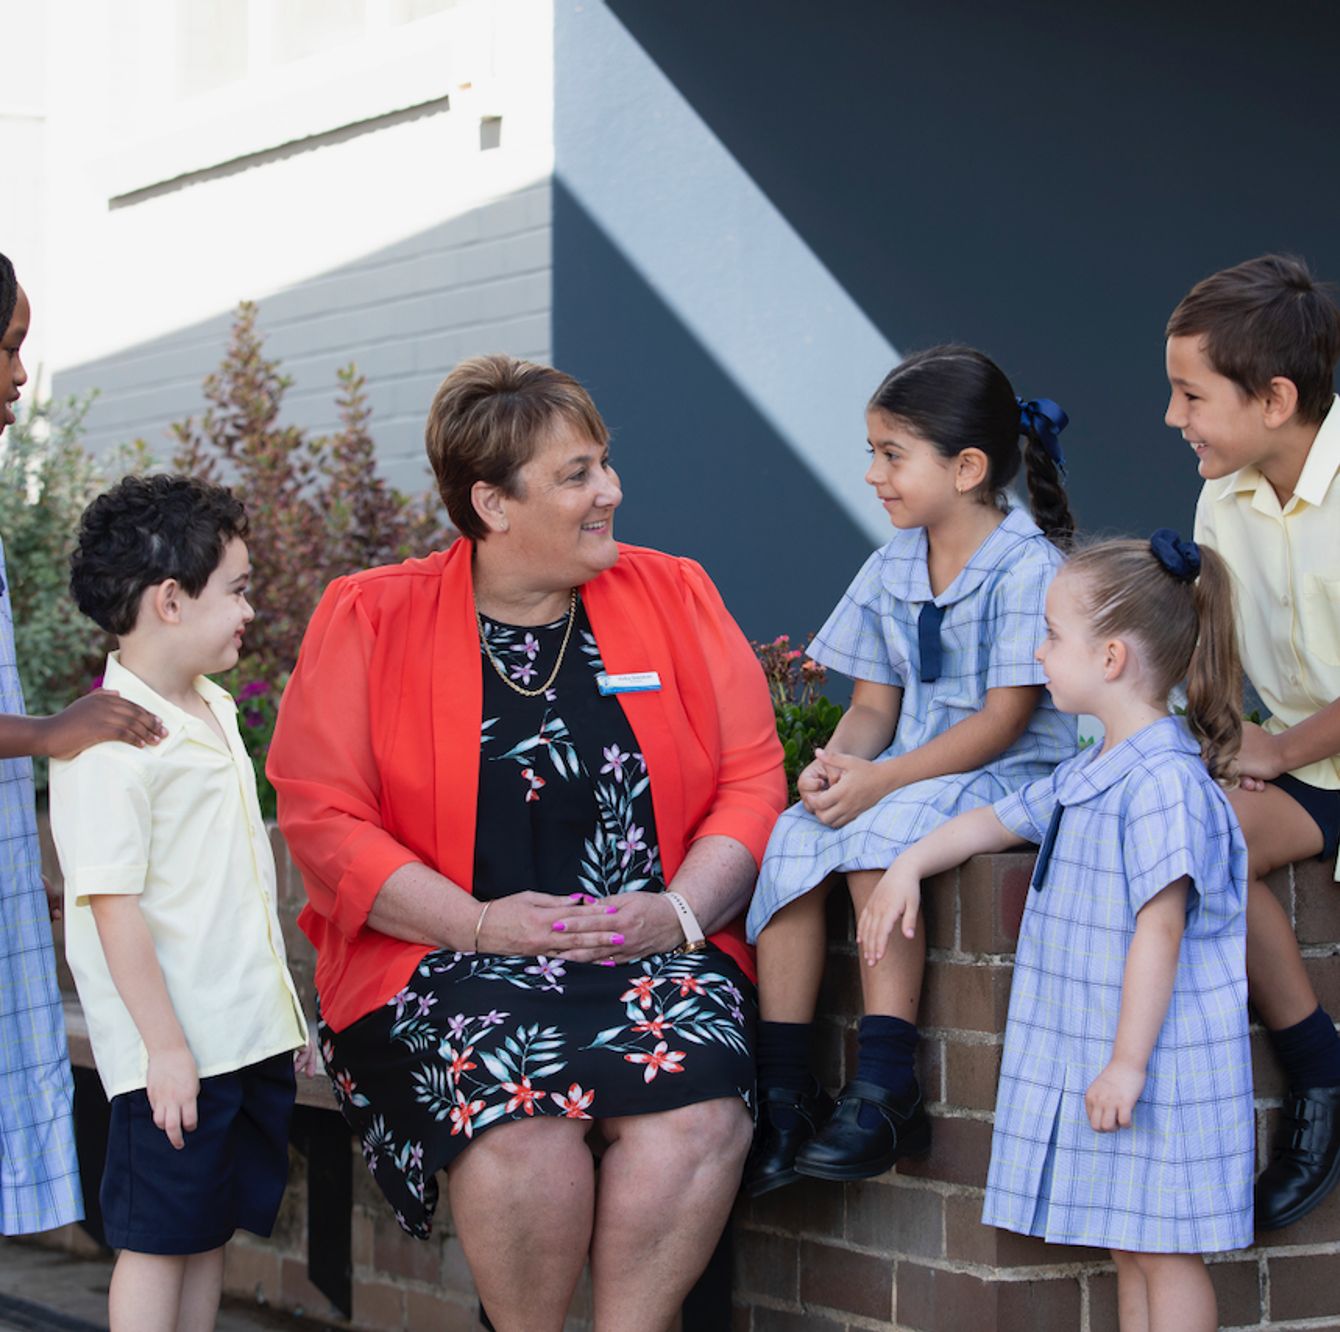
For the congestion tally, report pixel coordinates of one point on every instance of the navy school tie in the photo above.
(928, 641)
(1045, 852)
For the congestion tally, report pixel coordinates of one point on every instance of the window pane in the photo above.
(211, 43)
(304, 27)
(406, 11)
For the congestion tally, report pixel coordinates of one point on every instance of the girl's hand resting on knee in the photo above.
(853, 786)
(897, 897)
(1110, 1100)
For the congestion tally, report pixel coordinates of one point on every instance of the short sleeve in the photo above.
(853, 640)
(101, 823)
(1176, 823)
(1027, 811)
(1018, 621)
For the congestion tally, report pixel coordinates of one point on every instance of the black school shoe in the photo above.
(772, 1163)
(1307, 1159)
(843, 1150)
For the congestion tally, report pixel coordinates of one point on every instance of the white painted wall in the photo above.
(321, 156)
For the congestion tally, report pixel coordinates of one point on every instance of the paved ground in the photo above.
(42, 1290)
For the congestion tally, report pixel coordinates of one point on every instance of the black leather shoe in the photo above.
(772, 1163)
(844, 1150)
(1307, 1159)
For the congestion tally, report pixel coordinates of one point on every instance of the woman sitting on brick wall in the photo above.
(522, 777)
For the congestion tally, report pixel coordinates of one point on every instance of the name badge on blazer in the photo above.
(632, 682)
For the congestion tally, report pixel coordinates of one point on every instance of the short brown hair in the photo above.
(1264, 318)
(488, 417)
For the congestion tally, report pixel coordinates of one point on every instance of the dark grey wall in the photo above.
(1042, 180)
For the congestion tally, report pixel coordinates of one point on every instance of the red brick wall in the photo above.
(908, 1250)
(905, 1251)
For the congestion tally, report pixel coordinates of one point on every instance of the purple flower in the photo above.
(531, 646)
(252, 689)
(523, 672)
(253, 718)
(629, 843)
(97, 683)
(493, 1018)
(549, 968)
(456, 1027)
(614, 761)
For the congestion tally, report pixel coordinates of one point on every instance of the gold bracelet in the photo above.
(479, 924)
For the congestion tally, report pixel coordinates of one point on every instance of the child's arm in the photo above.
(1265, 755)
(897, 896)
(856, 783)
(1146, 989)
(101, 715)
(172, 1083)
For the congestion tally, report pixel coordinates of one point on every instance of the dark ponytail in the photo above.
(958, 398)
(9, 293)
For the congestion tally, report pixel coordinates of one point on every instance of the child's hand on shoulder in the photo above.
(101, 715)
(1110, 1100)
(897, 897)
(1259, 758)
(173, 1083)
(854, 785)
(306, 1061)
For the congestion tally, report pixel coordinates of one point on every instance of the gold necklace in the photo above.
(553, 675)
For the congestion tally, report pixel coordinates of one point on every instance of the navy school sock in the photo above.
(783, 1052)
(1309, 1051)
(886, 1053)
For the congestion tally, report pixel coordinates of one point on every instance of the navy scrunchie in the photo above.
(1044, 420)
(1180, 558)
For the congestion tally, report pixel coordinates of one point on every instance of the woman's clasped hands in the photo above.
(580, 927)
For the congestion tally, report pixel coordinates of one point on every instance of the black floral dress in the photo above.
(477, 1039)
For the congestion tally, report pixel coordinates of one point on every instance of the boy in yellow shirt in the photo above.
(1251, 356)
(171, 927)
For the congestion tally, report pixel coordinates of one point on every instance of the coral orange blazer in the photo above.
(376, 754)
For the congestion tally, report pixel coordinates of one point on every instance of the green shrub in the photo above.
(805, 718)
(46, 479)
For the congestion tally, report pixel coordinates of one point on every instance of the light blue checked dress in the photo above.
(39, 1172)
(993, 622)
(1179, 1180)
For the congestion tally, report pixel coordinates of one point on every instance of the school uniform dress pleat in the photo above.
(39, 1171)
(1179, 1180)
(990, 622)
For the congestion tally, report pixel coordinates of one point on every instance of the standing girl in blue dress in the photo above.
(937, 631)
(1124, 1113)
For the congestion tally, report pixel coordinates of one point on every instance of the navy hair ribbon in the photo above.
(1044, 420)
(1045, 852)
(928, 641)
(1180, 558)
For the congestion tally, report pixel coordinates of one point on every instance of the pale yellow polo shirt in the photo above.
(177, 823)
(1285, 561)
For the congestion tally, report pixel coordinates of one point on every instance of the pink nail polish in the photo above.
(590, 901)
(611, 911)
(607, 962)
(559, 926)
(576, 897)
(616, 939)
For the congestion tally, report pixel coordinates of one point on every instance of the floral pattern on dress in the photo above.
(478, 1039)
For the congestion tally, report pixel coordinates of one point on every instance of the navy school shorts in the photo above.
(1321, 804)
(230, 1175)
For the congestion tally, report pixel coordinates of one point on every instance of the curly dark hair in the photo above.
(9, 293)
(143, 531)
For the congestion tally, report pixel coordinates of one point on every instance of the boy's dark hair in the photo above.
(1264, 318)
(145, 530)
(9, 293)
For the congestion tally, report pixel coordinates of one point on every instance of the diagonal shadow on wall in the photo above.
(704, 473)
(1042, 179)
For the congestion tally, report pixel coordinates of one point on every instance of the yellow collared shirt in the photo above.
(178, 824)
(1285, 561)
